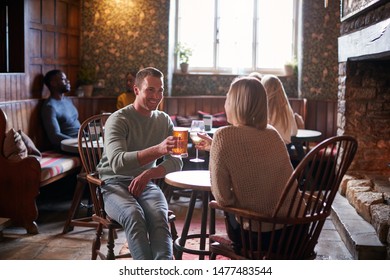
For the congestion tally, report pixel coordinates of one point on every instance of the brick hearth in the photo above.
(370, 196)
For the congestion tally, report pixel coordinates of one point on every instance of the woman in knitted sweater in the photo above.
(249, 162)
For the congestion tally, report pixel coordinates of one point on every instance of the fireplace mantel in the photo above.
(372, 41)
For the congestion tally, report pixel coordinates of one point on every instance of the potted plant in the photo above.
(86, 79)
(184, 53)
(291, 67)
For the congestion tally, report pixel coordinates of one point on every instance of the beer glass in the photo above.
(181, 136)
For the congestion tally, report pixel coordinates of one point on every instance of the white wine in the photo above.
(196, 127)
(195, 138)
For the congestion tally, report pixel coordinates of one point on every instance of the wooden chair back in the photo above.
(91, 141)
(292, 231)
(91, 145)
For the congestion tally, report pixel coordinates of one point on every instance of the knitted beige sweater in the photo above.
(249, 167)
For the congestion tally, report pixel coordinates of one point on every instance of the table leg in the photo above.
(180, 242)
(212, 216)
(203, 229)
(202, 235)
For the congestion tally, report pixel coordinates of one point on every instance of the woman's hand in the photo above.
(205, 144)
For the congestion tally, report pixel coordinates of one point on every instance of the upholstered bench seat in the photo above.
(54, 163)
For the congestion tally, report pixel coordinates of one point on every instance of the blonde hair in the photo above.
(278, 106)
(248, 101)
(257, 75)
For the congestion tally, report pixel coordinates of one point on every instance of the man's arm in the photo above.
(52, 126)
(155, 152)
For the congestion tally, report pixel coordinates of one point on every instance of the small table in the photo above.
(303, 137)
(198, 181)
(72, 145)
(307, 135)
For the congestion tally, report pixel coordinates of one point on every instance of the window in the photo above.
(11, 36)
(237, 36)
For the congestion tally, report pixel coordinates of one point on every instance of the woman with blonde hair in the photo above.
(249, 162)
(280, 113)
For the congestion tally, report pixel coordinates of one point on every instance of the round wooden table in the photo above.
(303, 137)
(307, 135)
(198, 181)
(72, 145)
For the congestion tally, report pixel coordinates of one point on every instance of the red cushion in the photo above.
(185, 121)
(174, 120)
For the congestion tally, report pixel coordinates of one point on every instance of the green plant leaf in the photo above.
(86, 75)
(184, 52)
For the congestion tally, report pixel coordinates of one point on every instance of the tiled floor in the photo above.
(51, 244)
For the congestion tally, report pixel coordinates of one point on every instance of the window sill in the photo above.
(195, 73)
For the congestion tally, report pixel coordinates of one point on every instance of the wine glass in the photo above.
(196, 126)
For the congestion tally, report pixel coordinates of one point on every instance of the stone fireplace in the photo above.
(364, 112)
(364, 95)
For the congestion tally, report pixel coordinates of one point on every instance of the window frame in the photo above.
(12, 48)
(229, 71)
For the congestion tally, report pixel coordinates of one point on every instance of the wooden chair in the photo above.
(90, 145)
(309, 194)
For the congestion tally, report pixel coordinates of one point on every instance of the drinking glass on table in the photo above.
(196, 127)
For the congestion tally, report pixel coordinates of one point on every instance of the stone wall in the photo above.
(364, 112)
(370, 196)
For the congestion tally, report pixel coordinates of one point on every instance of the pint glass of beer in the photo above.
(181, 136)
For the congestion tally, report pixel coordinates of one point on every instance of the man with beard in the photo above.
(59, 115)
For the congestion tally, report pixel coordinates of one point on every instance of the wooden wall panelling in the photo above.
(12, 86)
(36, 86)
(52, 40)
(188, 105)
(89, 106)
(169, 106)
(322, 116)
(25, 115)
(54, 29)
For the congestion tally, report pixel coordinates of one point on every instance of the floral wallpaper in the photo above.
(201, 84)
(119, 36)
(319, 53)
(217, 84)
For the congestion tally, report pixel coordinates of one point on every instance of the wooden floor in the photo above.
(51, 244)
